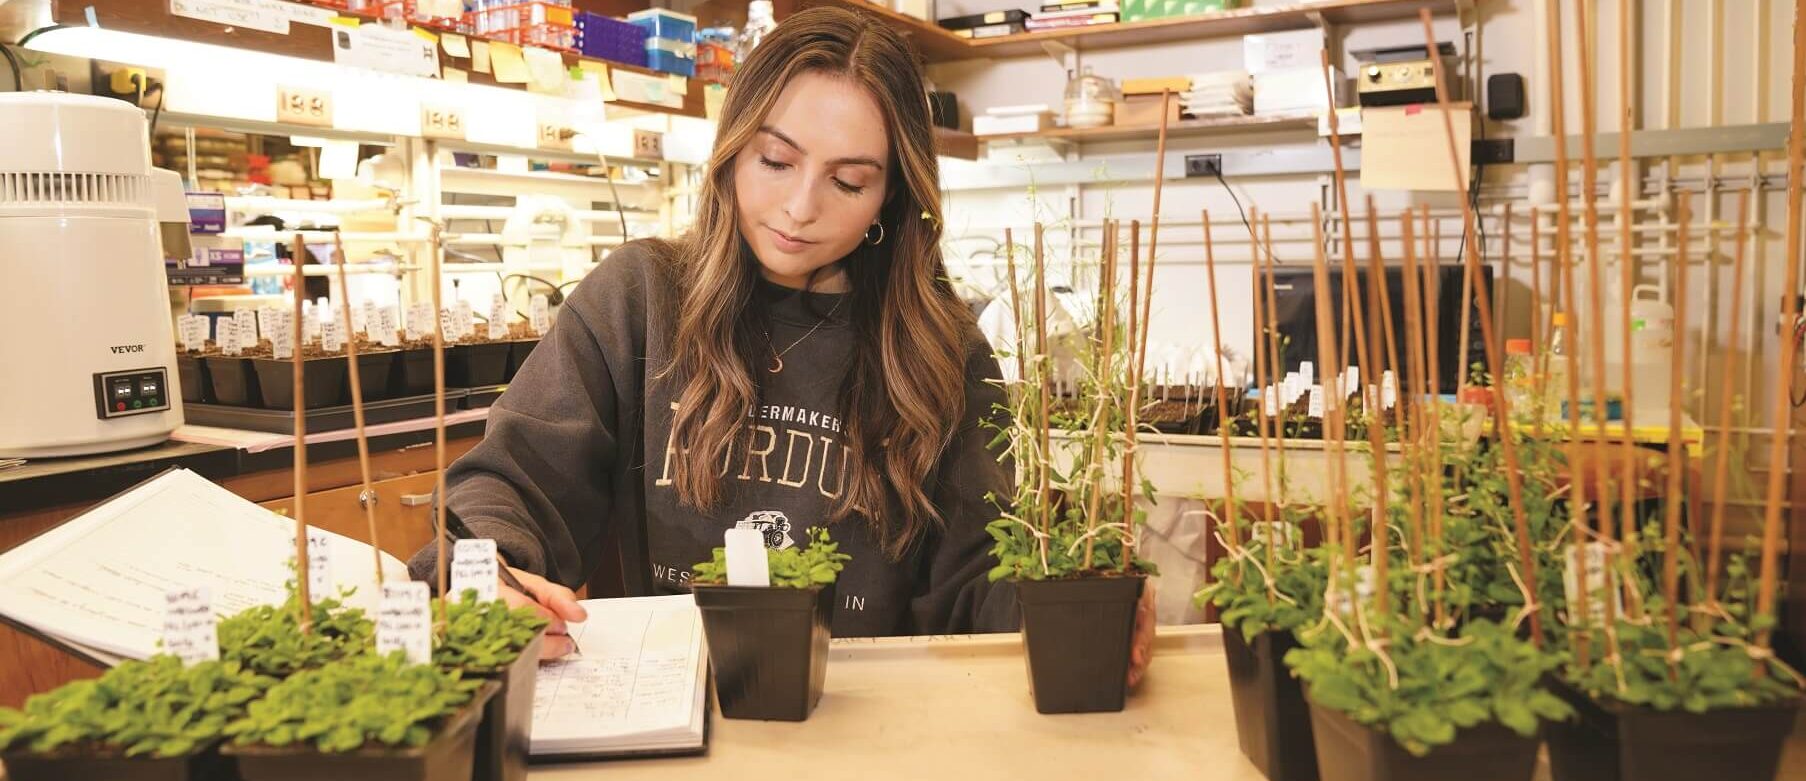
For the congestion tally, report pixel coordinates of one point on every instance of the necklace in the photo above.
(777, 356)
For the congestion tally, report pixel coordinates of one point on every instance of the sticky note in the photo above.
(455, 45)
(599, 70)
(479, 56)
(713, 96)
(455, 75)
(510, 66)
(677, 84)
(545, 70)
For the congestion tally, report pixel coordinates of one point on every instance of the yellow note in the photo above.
(345, 21)
(510, 66)
(425, 34)
(455, 45)
(678, 85)
(713, 96)
(598, 70)
(456, 76)
(545, 71)
(479, 56)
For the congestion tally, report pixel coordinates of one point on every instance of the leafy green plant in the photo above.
(482, 635)
(156, 708)
(1423, 688)
(268, 638)
(816, 564)
(1240, 592)
(348, 704)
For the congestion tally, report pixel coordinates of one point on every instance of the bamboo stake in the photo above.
(437, 260)
(1262, 377)
(1336, 508)
(1275, 356)
(302, 569)
(1141, 349)
(1430, 292)
(1230, 510)
(1043, 357)
(1777, 477)
(1564, 292)
(1502, 420)
(1505, 258)
(1596, 291)
(1539, 376)
(1107, 317)
(1379, 298)
(1671, 527)
(1629, 479)
(1009, 255)
(1133, 369)
(1721, 468)
(1417, 481)
(366, 493)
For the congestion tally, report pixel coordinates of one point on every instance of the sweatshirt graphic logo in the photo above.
(771, 523)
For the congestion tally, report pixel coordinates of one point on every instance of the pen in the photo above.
(455, 528)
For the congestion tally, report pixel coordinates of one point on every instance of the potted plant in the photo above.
(490, 641)
(323, 379)
(1066, 541)
(364, 717)
(153, 719)
(268, 638)
(769, 645)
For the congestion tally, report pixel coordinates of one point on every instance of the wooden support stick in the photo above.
(1514, 477)
(1783, 421)
(1230, 512)
(1043, 361)
(1413, 440)
(1721, 468)
(1677, 463)
(1503, 287)
(1336, 507)
(1629, 478)
(1429, 292)
(302, 570)
(1009, 255)
(1107, 319)
(1141, 341)
(1262, 378)
(1539, 375)
(1133, 370)
(436, 259)
(366, 493)
(1275, 355)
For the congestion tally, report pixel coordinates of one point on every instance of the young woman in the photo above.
(798, 359)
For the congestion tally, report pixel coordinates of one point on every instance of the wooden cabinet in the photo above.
(403, 512)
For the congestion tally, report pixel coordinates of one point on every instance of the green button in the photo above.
(152, 402)
(137, 403)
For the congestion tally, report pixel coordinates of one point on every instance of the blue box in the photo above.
(666, 61)
(664, 23)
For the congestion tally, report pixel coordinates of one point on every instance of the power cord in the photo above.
(1238, 202)
(18, 71)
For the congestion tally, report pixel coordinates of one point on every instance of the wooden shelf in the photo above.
(1184, 127)
(939, 45)
(953, 143)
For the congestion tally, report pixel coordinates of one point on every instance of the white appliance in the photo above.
(86, 341)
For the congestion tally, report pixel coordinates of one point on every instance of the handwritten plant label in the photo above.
(475, 567)
(333, 337)
(189, 631)
(388, 330)
(1316, 409)
(498, 317)
(1270, 401)
(541, 315)
(1388, 390)
(1599, 587)
(319, 564)
(404, 621)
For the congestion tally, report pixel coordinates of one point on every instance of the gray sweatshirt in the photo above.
(580, 447)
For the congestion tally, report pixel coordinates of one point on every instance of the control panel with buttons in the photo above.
(131, 392)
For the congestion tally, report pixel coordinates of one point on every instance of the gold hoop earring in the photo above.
(868, 234)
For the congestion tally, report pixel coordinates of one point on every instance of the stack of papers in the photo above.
(1219, 94)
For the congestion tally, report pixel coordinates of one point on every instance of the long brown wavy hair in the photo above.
(904, 392)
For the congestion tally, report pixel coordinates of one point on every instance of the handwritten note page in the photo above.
(100, 581)
(638, 684)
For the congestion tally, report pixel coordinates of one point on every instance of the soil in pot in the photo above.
(1613, 741)
(1348, 751)
(768, 647)
(1272, 718)
(1078, 634)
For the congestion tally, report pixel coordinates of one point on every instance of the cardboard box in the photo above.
(1144, 111)
(1153, 86)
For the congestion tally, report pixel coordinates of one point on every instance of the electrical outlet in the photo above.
(1203, 165)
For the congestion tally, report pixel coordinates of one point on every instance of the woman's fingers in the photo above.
(517, 599)
(1141, 652)
(556, 647)
(561, 600)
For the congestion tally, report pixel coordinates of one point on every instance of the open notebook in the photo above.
(96, 584)
(639, 688)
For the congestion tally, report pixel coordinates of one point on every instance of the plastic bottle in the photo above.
(1651, 354)
(759, 23)
(1520, 379)
(1561, 364)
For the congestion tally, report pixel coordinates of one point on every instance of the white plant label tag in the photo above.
(266, 324)
(246, 321)
(448, 325)
(540, 315)
(464, 319)
(1316, 409)
(404, 621)
(189, 631)
(1270, 401)
(389, 332)
(1388, 389)
(1598, 588)
(1351, 377)
(747, 564)
(498, 318)
(416, 323)
(362, 316)
(319, 564)
(475, 567)
(334, 337)
(1308, 371)
(1279, 533)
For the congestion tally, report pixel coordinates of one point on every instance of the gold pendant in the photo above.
(777, 364)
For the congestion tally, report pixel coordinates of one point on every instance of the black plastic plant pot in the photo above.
(1272, 718)
(1613, 741)
(1347, 751)
(505, 736)
(476, 365)
(1078, 634)
(414, 372)
(769, 648)
(192, 370)
(448, 755)
(234, 382)
(517, 355)
(105, 764)
(323, 382)
(375, 376)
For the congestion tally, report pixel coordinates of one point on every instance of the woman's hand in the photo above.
(556, 603)
(1141, 650)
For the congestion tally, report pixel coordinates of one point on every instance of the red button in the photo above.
(120, 406)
